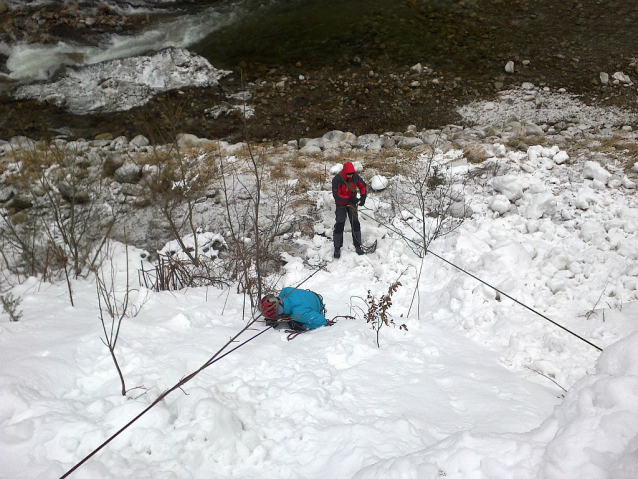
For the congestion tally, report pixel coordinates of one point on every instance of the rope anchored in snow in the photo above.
(484, 282)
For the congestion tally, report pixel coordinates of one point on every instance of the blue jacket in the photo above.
(303, 306)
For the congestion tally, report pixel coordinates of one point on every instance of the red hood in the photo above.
(347, 168)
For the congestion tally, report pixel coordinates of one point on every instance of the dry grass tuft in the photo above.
(279, 171)
(618, 145)
(386, 164)
(316, 176)
(299, 163)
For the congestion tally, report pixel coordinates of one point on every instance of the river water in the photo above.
(167, 26)
(234, 31)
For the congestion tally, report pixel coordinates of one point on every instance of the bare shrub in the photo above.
(387, 163)
(172, 273)
(115, 305)
(299, 163)
(279, 171)
(176, 179)
(58, 221)
(429, 203)
(253, 227)
(425, 200)
(316, 176)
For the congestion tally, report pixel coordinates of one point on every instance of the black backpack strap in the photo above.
(323, 305)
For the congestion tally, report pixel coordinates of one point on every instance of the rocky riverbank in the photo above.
(553, 130)
(363, 78)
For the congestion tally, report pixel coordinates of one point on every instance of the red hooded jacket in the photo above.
(343, 190)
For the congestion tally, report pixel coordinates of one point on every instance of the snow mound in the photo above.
(592, 434)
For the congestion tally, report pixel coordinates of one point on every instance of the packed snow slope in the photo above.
(474, 388)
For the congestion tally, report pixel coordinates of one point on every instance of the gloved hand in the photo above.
(362, 201)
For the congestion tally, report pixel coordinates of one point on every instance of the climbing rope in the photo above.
(405, 238)
(178, 385)
(184, 380)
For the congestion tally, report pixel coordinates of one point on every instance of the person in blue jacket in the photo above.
(303, 308)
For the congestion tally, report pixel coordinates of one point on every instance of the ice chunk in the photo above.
(511, 186)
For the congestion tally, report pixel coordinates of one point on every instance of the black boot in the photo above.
(357, 242)
(337, 253)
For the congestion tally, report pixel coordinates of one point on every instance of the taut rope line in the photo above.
(484, 282)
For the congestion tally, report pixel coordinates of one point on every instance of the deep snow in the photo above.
(457, 395)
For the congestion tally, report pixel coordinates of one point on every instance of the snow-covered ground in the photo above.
(473, 389)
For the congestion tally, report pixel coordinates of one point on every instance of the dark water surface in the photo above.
(319, 32)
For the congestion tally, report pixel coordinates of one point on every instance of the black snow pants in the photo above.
(340, 222)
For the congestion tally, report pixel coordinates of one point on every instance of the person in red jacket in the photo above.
(344, 191)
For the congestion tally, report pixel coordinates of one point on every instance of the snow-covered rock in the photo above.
(313, 142)
(335, 135)
(21, 143)
(460, 210)
(310, 150)
(7, 193)
(511, 186)
(539, 205)
(410, 143)
(128, 173)
(532, 129)
(561, 157)
(378, 182)
(139, 141)
(358, 166)
(495, 150)
(187, 140)
(594, 171)
(370, 142)
(622, 77)
(336, 168)
(590, 229)
(119, 85)
(627, 183)
(499, 204)
(534, 152)
(584, 198)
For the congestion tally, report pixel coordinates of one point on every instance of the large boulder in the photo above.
(139, 141)
(73, 193)
(128, 173)
(475, 153)
(410, 143)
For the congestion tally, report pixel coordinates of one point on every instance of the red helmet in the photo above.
(268, 306)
